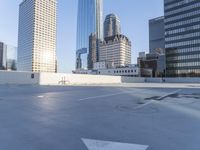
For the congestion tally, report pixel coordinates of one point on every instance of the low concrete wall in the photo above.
(182, 80)
(132, 80)
(13, 77)
(7, 77)
(62, 79)
(173, 80)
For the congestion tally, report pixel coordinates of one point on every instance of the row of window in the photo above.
(184, 43)
(178, 65)
(188, 71)
(182, 9)
(184, 57)
(184, 50)
(181, 37)
(125, 71)
(186, 64)
(181, 16)
(172, 5)
(184, 73)
(181, 23)
(184, 29)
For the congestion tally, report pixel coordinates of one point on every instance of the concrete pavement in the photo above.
(58, 118)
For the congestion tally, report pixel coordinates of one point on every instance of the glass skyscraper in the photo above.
(2, 56)
(89, 21)
(182, 37)
(156, 35)
(8, 57)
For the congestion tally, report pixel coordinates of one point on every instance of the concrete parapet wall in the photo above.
(160, 80)
(14, 77)
(62, 79)
(54, 78)
(173, 80)
(132, 80)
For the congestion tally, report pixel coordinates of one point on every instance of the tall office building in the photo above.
(112, 25)
(8, 57)
(89, 20)
(156, 35)
(182, 37)
(93, 47)
(2, 56)
(37, 36)
(11, 59)
(115, 49)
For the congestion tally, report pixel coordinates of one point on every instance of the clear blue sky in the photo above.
(134, 16)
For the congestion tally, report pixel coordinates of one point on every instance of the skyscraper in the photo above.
(37, 36)
(2, 56)
(156, 35)
(8, 57)
(182, 37)
(112, 25)
(89, 20)
(11, 59)
(93, 46)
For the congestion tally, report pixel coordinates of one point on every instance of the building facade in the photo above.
(8, 57)
(2, 56)
(11, 59)
(93, 51)
(89, 20)
(128, 71)
(115, 49)
(103, 65)
(156, 34)
(112, 25)
(37, 36)
(182, 37)
(152, 64)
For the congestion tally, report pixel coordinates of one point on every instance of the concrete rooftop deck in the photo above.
(71, 118)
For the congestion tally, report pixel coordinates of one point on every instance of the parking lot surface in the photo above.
(99, 117)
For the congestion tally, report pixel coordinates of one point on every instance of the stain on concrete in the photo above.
(176, 95)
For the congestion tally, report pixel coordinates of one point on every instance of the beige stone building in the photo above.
(115, 49)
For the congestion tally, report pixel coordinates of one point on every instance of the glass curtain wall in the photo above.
(89, 20)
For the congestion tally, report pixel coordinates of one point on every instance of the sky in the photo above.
(134, 16)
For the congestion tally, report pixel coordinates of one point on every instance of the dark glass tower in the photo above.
(182, 37)
(156, 35)
(2, 56)
(8, 57)
(89, 21)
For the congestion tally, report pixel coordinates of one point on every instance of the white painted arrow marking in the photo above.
(40, 96)
(108, 145)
